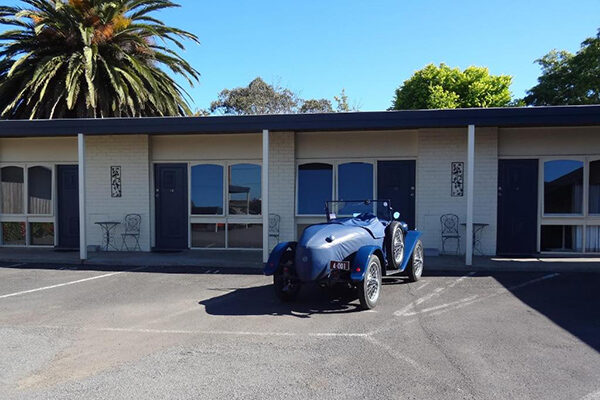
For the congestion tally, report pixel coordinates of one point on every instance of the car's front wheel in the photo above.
(369, 290)
(395, 245)
(414, 270)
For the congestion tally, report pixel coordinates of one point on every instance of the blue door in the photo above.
(67, 183)
(396, 182)
(517, 207)
(171, 206)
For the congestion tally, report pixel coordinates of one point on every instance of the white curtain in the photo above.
(593, 239)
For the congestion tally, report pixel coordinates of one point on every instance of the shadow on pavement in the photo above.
(570, 300)
(261, 300)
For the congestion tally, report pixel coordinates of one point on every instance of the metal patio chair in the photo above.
(450, 224)
(274, 221)
(132, 224)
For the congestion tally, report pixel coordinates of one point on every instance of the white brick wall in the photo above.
(438, 148)
(282, 182)
(131, 153)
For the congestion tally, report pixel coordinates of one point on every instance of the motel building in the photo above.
(525, 181)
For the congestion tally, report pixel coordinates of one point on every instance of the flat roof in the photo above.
(352, 121)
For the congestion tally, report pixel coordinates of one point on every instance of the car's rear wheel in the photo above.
(286, 288)
(369, 290)
(285, 281)
(414, 270)
(394, 245)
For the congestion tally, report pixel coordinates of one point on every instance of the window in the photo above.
(208, 235)
(245, 189)
(226, 216)
(247, 236)
(12, 182)
(561, 238)
(207, 190)
(593, 239)
(563, 187)
(355, 182)
(39, 190)
(315, 187)
(42, 233)
(13, 233)
(594, 200)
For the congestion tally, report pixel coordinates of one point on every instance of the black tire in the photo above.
(285, 282)
(414, 269)
(369, 289)
(394, 245)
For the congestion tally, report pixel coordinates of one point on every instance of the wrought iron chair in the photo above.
(450, 226)
(274, 221)
(132, 223)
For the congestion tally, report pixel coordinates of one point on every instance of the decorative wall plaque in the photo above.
(115, 182)
(458, 179)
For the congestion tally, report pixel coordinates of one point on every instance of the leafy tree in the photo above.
(258, 97)
(568, 78)
(316, 106)
(445, 87)
(91, 58)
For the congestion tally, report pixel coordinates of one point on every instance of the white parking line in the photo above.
(423, 285)
(66, 283)
(476, 298)
(592, 396)
(435, 293)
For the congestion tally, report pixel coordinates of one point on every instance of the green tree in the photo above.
(316, 106)
(568, 78)
(91, 58)
(445, 87)
(258, 97)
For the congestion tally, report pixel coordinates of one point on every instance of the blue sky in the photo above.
(318, 47)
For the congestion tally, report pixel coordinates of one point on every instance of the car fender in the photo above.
(410, 241)
(361, 260)
(275, 257)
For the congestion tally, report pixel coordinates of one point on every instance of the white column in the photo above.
(82, 213)
(470, 193)
(265, 193)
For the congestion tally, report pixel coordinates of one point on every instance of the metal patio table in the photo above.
(478, 228)
(107, 227)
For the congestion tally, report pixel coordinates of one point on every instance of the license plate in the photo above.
(340, 265)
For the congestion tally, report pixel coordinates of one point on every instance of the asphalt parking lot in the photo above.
(180, 333)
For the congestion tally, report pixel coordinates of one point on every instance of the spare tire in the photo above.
(394, 244)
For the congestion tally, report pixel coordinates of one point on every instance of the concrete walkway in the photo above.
(252, 259)
(197, 258)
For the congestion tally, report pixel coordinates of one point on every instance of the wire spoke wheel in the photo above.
(369, 289)
(398, 246)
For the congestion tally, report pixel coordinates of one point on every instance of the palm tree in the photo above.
(91, 58)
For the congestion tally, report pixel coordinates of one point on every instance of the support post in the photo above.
(265, 193)
(470, 193)
(82, 213)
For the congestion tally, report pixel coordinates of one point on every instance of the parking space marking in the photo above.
(423, 285)
(592, 396)
(66, 283)
(437, 310)
(435, 293)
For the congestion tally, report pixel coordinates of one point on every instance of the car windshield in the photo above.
(351, 208)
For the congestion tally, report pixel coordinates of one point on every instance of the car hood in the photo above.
(322, 243)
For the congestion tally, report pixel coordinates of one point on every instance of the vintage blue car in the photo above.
(361, 242)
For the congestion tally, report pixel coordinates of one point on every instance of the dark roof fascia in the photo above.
(364, 121)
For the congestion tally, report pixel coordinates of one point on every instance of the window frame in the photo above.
(27, 217)
(335, 163)
(224, 218)
(583, 219)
